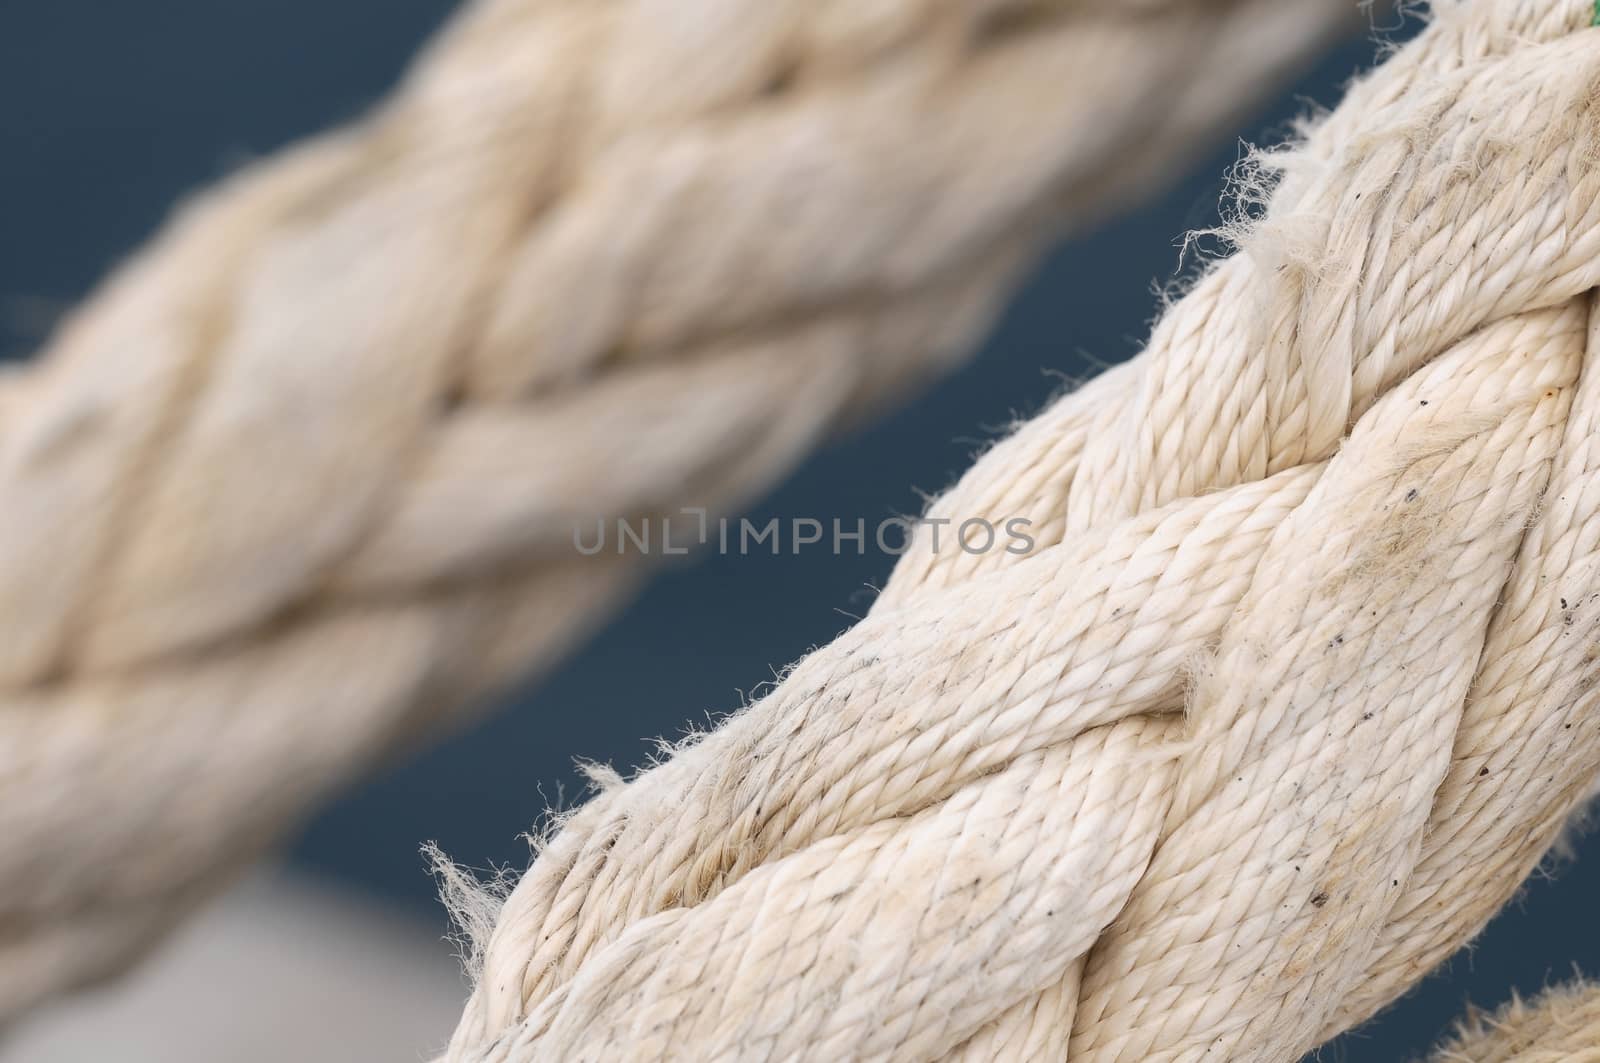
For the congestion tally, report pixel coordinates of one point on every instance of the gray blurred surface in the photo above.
(283, 968)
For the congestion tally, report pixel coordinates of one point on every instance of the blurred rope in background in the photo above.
(298, 482)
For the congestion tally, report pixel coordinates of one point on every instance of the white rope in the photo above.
(299, 481)
(1297, 692)
(1561, 1026)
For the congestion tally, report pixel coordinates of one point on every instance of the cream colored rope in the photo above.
(300, 479)
(1560, 1026)
(1296, 692)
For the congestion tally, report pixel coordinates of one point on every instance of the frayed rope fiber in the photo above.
(1561, 1026)
(1298, 689)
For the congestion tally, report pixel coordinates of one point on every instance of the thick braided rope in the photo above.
(1562, 1025)
(301, 477)
(1297, 691)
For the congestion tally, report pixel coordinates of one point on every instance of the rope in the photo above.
(1561, 1026)
(300, 479)
(1297, 689)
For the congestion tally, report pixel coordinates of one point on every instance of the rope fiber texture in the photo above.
(1561, 1026)
(1296, 691)
(300, 479)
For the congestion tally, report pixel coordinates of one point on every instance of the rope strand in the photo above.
(1296, 692)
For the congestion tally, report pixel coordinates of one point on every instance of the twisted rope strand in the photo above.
(1290, 700)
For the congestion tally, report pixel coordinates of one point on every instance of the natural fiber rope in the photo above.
(1299, 689)
(1561, 1026)
(300, 479)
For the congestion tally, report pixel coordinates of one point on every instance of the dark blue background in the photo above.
(108, 111)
